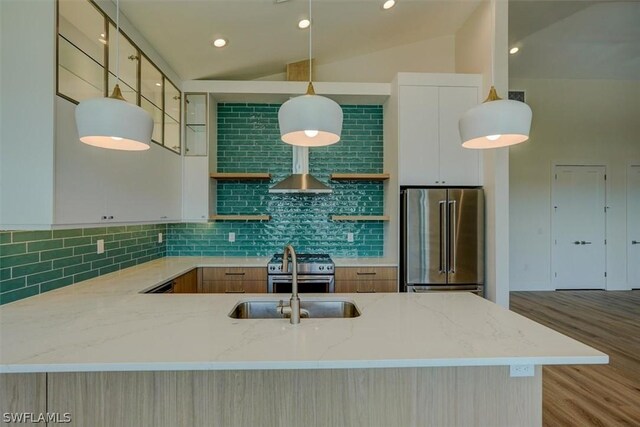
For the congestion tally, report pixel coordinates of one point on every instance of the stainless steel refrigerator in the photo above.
(442, 239)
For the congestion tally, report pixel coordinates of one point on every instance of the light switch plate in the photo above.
(159, 237)
(232, 237)
(100, 246)
(350, 237)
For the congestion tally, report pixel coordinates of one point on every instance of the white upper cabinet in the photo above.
(429, 146)
(98, 186)
(419, 150)
(196, 181)
(458, 165)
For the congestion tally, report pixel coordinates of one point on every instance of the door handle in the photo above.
(452, 237)
(577, 242)
(585, 243)
(443, 237)
(635, 242)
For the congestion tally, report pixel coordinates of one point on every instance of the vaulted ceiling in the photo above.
(263, 34)
(575, 39)
(557, 38)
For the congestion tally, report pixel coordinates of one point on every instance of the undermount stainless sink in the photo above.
(315, 309)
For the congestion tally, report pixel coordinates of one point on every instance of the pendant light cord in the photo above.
(117, 42)
(493, 42)
(310, 44)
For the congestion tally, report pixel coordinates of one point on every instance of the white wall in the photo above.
(27, 92)
(580, 122)
(473, 55)
(435, 55)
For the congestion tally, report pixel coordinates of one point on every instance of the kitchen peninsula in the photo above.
(110, 355)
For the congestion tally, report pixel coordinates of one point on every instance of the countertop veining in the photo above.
(106, 324)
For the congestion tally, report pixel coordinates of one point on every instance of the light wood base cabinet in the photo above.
(366, 279)
(20, 393)
(236, 280)
(466, 396)
(187, 283)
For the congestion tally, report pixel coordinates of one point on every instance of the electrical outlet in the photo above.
(350, 237)
(232, 237)
(100, 246)
(521, 370)
(159, 237)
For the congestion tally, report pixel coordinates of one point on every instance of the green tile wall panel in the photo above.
(249, 141)
(7, 297)
(32, 262)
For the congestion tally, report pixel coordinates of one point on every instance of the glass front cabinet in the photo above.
(195, 129)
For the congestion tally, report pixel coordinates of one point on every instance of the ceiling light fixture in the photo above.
(304, 23)
(219, 42)
(102, 39)
(514, 50)
(112, 122)
(159, 84)
(388, 4)
(496, 122)
(310, 120)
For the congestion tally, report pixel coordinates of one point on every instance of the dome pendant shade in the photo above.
(495, 123)
(320, 117)
(114, 123)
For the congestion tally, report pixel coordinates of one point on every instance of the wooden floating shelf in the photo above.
(240, 175)
(240, 217)
(360, 176)
(359, 217)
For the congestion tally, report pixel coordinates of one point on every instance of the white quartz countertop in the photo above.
(106, 324)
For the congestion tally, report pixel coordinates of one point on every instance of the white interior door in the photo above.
(579, 227)
(633, 227)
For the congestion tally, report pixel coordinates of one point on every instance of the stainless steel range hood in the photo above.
(300, 181)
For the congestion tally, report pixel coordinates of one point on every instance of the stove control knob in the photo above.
(321, 268)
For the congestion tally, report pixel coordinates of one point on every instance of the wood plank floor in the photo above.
(599, 395)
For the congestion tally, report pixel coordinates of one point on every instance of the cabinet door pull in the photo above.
(234, 274)
(366, 273)
(370, 291)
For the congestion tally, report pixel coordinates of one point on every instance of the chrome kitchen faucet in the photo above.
(294, 301)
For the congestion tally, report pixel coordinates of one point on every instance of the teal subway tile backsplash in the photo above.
(249, 141)
(32, 262)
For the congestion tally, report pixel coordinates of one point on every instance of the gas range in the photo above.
(307, 264)
(316, 274)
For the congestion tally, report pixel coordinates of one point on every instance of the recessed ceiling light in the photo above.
(514, 50)
(158, 84)
(219, 42)
(102, 39)
(388, 4)
(304, 23)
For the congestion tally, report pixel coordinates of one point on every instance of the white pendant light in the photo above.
(112, 122)
(496, 122)
(310, 120)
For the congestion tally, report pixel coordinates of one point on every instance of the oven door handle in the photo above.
(302, 279)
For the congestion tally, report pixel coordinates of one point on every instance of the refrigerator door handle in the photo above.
(452, 236)
(443, 236)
